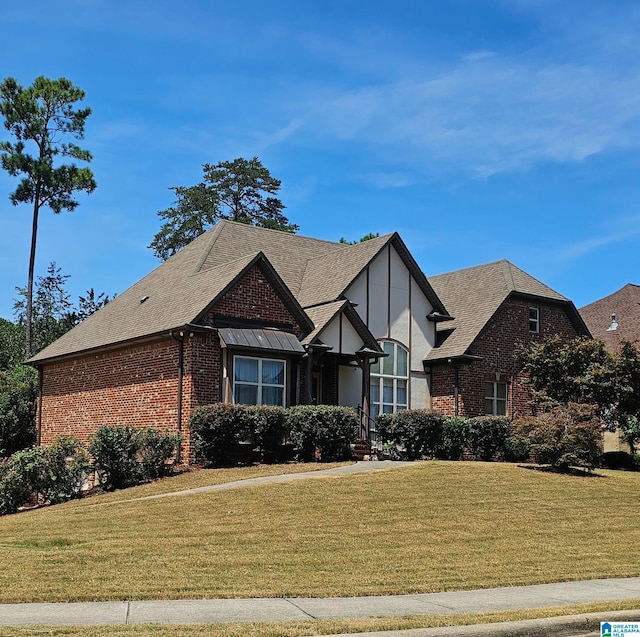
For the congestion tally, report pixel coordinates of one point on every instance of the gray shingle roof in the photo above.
(174, 294)
(310, 271)
(472, 296)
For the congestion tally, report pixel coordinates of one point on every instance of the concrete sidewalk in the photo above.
(207, 611)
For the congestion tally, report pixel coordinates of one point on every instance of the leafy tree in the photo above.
(12, 351)
(43, 116)
(237, 190)
(18, 390)
(53, 312)
(580, 371)
(583, 371)
(87, 305)
(51, 308)
(366, 237)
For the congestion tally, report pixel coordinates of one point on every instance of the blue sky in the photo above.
(479, 130)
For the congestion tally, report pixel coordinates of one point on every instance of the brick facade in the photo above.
(137, 385)
(134, 386)
(497, 344)
(253, 298)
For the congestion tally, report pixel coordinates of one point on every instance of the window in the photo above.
(389, 379)
(495, 399)
(534, 320)
(258, 381)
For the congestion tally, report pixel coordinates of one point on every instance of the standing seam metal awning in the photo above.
(260, 339)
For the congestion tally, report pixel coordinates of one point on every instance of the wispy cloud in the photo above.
(491, 114)
(484, 112)
(625, 229)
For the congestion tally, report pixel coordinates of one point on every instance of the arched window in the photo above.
(389, 378)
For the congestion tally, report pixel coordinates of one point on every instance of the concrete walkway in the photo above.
(206, 611)
(350, 469)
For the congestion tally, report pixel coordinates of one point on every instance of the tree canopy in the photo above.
(41, 118)
(53, 311)
(367, 237)
(239, 190)
(583, 371)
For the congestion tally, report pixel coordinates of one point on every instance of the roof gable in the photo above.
(323, 315)
(171, 296)
(473, 295)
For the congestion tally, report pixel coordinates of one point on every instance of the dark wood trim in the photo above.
(389, 291)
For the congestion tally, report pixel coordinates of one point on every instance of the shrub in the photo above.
(22, 476)
(455, 434)
(412, 433)
(517, 448)
(217, 431)
(419, 432)
(326, 429)
(67, 468)
(155, 450)
(115, 456)
(268, 431)
(564, 437)
(384, 428)
(487, 437)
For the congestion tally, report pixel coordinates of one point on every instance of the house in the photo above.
(497, 308)
(616, 317)
(248, 315)
(613, 319)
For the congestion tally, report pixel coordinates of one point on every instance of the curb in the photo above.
(585, 625)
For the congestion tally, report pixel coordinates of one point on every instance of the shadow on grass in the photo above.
(569, 471)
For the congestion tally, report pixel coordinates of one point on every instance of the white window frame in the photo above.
(260, 384)
(377, 407)
(494, 398)
(534, 320)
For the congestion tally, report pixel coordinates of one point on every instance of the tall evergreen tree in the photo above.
(42, 117)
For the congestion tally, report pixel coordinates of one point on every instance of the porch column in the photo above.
(366, 397)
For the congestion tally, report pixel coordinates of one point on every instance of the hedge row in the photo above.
(225, 434)
(563, 437)
(120, 456)
(422, 433)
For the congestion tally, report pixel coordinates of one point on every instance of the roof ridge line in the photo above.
(215, 233)
(508, 275)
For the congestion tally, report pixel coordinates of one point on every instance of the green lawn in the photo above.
(429, 527)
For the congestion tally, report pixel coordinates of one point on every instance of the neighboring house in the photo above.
(613, 319)
(253, 316)
(616, 317)
(497, 308)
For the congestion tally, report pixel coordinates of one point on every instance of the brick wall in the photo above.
(134, 386)
(253, 298)
(497, 344)
(138, 385)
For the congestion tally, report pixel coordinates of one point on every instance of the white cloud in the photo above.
(490, 114)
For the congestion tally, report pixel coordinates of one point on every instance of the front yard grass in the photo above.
(430, 527)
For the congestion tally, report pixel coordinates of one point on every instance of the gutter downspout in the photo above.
(180, 341)
(456, 387)
(39, 407)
